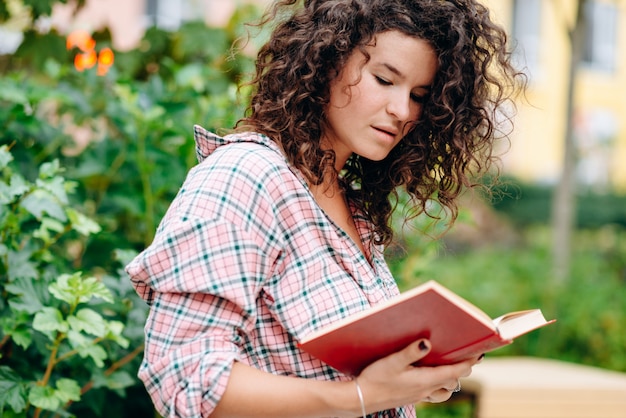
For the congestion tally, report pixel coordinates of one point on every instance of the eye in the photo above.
(382, 81)
(421, 99)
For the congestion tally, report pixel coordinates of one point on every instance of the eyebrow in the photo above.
(393, 69)
(400, 74)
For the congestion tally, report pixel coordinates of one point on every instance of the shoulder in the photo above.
(244, 171)
(253, 157)
(239, 151)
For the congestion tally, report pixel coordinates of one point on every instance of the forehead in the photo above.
(413, 57)
(397, 43)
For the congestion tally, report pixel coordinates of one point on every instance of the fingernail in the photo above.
(482, 356)
(423, 346)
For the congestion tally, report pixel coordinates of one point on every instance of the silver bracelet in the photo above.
(362, 402)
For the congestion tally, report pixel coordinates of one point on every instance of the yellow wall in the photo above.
(536, 147)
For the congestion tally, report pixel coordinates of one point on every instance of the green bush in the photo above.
(95, 153)
(52, 319)
(134, 125)
(530, 204)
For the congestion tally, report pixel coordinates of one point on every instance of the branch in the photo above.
(115, 366)
(4, 340)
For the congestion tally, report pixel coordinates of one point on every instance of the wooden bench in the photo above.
(524, 387)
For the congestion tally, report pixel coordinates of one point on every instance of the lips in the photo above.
(391, 132)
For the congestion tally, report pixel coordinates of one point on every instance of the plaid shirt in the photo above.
(243, 265)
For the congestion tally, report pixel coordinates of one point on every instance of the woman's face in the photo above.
(374, 104)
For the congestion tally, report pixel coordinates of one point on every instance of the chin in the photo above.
(374, 157)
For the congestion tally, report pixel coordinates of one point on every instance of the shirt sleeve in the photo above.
(202, 276)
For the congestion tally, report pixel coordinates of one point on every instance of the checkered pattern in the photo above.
(243, 265)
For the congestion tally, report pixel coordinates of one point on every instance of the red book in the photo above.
(457, 330)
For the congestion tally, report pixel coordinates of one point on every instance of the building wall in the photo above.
(127, 18)
(536, 151)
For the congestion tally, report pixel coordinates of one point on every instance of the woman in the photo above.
(280, 229)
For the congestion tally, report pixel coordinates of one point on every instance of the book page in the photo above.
(514, 324)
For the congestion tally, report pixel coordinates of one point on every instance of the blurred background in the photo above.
(97, 103)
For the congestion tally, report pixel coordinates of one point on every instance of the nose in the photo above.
(402, 107)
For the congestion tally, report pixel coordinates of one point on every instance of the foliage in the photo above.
(456, 407)
(34, 8)
(530, 204)
(126, 138)
(48, 317)
(125, 141)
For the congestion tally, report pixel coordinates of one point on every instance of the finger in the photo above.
(438, 396)
(453, 386)
(414, 352)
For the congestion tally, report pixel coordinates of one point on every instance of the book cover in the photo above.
(457, 330)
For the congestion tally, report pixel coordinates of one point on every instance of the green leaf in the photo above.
(64, 288)
(114, 333)
(50, 319)
(42, 201)
(5, 194)
(5, 155)
(17, 186)
(97, 354)
(52, 69)
(11, 92)
(28, 294)
(39, 7)
(67, 390)
(20, 264)
(48, 225)
(50, 169)
(82, 223)
(97, 289)
(12, 391)
(44, 398)
(78, 340)
(117, 380)
(89, 321)
(22, 336)
(56, 186)
(75, 289)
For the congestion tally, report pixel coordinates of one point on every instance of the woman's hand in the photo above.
(394, 381)
(388, 383)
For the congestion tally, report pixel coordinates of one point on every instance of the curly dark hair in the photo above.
(452, 142)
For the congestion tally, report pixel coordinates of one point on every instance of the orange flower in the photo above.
(85, 60)
(106, 57)
(105, 60)
(80, 39)
(88, 58)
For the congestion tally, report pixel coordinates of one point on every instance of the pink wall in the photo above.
(123, 17)
(126, 18)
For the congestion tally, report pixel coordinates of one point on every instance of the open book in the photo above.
(456, 329)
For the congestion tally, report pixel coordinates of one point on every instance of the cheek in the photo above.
(414, 118)
(342, 97)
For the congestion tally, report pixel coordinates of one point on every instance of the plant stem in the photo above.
(147, 187)
(4, 340)
(52, 361)
(118, 364)
(73, 352)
